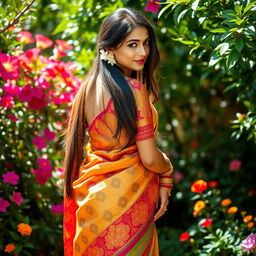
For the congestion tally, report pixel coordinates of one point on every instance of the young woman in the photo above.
(115, 176)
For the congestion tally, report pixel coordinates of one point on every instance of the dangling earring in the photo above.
(107, 56)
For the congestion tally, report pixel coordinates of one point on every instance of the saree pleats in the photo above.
(115, 196)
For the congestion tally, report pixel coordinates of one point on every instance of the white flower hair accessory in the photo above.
(107, 56)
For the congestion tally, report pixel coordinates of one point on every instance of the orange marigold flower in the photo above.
(226, 202)
(250, 224)
(199, 205)
(9, 248)
(199, 186)
(24, 229)
(232, 210)
(247, 218)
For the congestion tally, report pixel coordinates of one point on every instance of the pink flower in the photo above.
(12, 117)
(7, 101)
(178, 176)
(60, 172)
(206, 223)
(249, 243)
(43, 42)
(11, 177)
(152, 6)
(63, 45)
(44, 164)
(17, 198)
(11, 89)
(39, 142)
(57, 53)
(26, 93)
(40, 177)
(9, 67)
(37, 103)
(235, 165)
(42, 83)
(48, 134)
(3, 204)
(25, 37)
(29, 58)
(57, 208)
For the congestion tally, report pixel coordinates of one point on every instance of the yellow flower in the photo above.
(9, 248)
(226, 202)
(250, 224)
(247, 218)
(232, 210)
(199, 205)
(24, 229)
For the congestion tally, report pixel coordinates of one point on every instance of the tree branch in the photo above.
(17, 17)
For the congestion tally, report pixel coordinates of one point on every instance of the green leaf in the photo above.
(62, 26)
(215, 58)
(223, 48)
(238, 9)
(14, 235)
(249, 6)
(18, 248)
(164, 9)
(232, 59)
(228, 14)
(220, 30)
(239, 44)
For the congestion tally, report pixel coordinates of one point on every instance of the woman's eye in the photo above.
(132, 45)
(147, 42)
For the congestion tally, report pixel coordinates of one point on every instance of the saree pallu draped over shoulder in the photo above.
(115, 196)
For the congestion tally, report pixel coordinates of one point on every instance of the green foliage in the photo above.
(221, 37)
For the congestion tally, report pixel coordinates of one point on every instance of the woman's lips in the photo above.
(140, 62)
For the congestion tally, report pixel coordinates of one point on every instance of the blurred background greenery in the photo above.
(206, 108)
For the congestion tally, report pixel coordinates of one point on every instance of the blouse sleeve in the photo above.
(144, 111)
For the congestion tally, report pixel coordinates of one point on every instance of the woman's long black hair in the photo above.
(113, 31)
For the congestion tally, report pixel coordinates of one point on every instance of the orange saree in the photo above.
(115, 196)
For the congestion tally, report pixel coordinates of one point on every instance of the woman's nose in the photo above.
(142, 50)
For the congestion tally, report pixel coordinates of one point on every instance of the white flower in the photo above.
(107, 56)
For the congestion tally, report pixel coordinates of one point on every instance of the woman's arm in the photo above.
(151, 157)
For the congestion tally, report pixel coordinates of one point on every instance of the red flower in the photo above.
(206, 223)
(152, 6)
(39, 142)
(184, 236)
(37, 103)
(199, 186)
(193, 144)
(9, 67)
(212, 184)
(7, 101)
(25, 37)
(11, 89)
(48, 134)
(43, 42)
(235, 165)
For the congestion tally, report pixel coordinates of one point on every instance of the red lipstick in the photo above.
(140, 62)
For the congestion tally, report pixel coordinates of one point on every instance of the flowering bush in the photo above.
(220, 226)
(35, 95)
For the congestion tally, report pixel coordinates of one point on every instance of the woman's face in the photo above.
(133, 52)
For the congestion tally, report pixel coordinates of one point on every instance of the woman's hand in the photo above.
(163, 200)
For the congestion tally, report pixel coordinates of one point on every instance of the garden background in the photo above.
(207, 120)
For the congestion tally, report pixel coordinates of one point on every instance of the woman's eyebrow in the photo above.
(136, 40)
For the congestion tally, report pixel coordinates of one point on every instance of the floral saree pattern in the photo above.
(115, 196)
